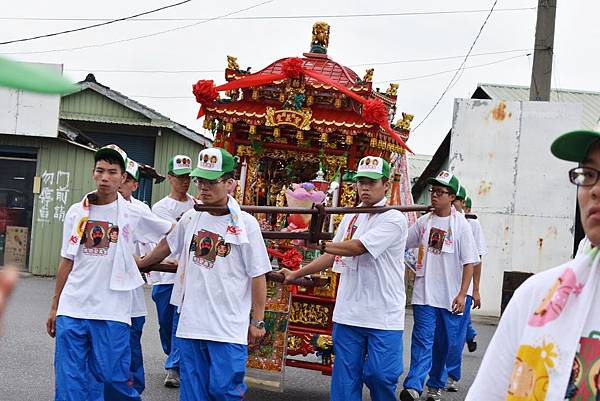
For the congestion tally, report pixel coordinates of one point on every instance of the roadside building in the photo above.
(47, 146)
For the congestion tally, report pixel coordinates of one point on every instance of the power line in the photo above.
(459, 68)
(166, 71)
(144, 71)
(454, 70)
(144, 36)
(436, 58)
(378, 82)
(83, 28)
(267, 17)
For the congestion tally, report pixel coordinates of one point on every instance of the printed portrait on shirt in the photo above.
(436, 240)
(206, 246)
(223, 248)
(584, 381)
(96, 238)
(113, 234)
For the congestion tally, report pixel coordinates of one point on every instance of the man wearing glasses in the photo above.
(220, 287)
(465, 329)
(547, 346)
(369, 309)
(171, 208)
(446, 257)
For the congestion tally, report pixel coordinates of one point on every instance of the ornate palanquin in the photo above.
(315, 121)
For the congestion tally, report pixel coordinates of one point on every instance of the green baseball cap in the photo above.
(373, 167)
(573, 146)
(180, 165)
(213, 163)
(133, 169)
(114, 151)
(462, 193)
(445, 179)
(468, 202)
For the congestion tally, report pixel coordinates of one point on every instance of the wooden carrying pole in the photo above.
(315, 232)
(309, 281)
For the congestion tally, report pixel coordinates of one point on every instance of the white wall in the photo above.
(27, 113)
(521, 193)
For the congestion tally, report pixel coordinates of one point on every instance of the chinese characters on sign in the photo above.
(52, 200)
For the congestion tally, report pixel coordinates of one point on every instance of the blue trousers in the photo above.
(92, 348)
(137, 361)
(211, 370)
(168, 318)
(457, 343)
(471, 332)
(432, 332)
(369, 356)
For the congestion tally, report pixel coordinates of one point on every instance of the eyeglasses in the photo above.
(584, 176)
(200, 182)
(438, 192)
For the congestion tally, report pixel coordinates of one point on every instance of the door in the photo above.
(17, 171)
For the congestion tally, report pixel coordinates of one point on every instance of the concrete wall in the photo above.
(521, 193)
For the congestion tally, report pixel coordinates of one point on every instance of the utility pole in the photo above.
(541, 74)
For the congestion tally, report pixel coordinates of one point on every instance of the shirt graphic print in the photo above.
(206, 247)
(436, 240)
(584, 383)
(97, 237)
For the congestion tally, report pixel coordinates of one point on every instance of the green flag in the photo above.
(33, 78)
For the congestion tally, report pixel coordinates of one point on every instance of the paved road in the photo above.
(26, 355)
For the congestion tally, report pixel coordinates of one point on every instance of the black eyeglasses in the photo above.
(201, 181)
(584, 176)
(438, 192)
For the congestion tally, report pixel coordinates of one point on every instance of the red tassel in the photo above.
(292, 67)
(205, 93)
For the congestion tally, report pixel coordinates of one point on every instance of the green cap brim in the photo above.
(206, 174)
(373, 176)
(137, 179)
(181, 171)
(109, 152)
(573, 146)
(435, 181)
(33, 78)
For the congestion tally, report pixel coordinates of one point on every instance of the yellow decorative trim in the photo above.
(309, 314)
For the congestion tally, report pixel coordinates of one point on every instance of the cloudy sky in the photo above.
(420, 50)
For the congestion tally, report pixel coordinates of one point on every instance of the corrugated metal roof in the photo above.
(589, 100)
(153, 117)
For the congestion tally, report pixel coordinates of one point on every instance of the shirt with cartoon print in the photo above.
(218, 277)
(87, 294)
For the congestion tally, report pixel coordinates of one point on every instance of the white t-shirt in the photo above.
(218, 278)
(478, 236)
(494, 375)
(138, 300)
(372, 295)
(170, 210)
(87, 294)
(442, 278)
